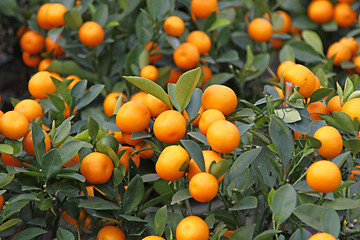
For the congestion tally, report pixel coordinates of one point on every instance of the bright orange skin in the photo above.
(127, 139)
(14, 125)
(1, 201)
(51, 46)
(209, 157)
(191, 228)
(110, 101)
(72, 161)
(9, 160)
(351, 108)
(331, 141)
(174, 26)
(279, 91)
(283, 67)
(30, 108)
(357, 172)
(32, 42)
(356, 61)
(301, 76)
(260, 30)
(170, 160)
(149, 72)
(133, 117)
(334, 104)
(91, 34)
(138, 97)
(30, 60)
(41, 16)
(208, 117)
(97, 168)
(219, 97)
(55, 14)
(155, 105)
(153, 48)
(169, 126)
(344, 15)
(186, 55)
(315, 108)
(110, 233)
(207, 75)
(223, 136)
(287, 22)
(44, 64)
(197, 119)
(203, 8)
(351, 43)
(124, 160)
(317, 84)
(323, 176)
(40, 84)
(322, 236)
(276, 43)
(228, 233)
(145, 154)
(174, 76)
(119, 137)
(201, 41)
(203, 187)
(320, 11)
(153, 238)
(29, 145)
(75, 80)
(340, 51)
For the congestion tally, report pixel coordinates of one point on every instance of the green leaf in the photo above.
(286, 54)
(248, 202)
(268, 234)
(51, 163)
(219, 23)
(157, 8)
(10, 223)
(348, 89)
(64, 234)
(144, 58)
(101, 15)
(283, 203)
(304, 52)
(7, 149)
(229, 56)
(150, 87)
(219, 78)
(320, 94)
(29, 233)
(249, 57)
(62, 89)
(185, 86)
(23, 197)
(218, 169)
(156, 200)
(13, 208)
(73, 176)
(314, 40)
(244, 161)
(172, 96)
(300, 234)
(194, 105)
(69, 67)
(89, 96)
(195, 153)
(73, 19)
(98, 204)
(330, 222)
(93, 128)
(133, 194)
(70, 148)
(310, 214)
(353, 145)
(9, 7)
(180, 196)
(244, 233)
(288, 115)
(160, 220)
(342, 203)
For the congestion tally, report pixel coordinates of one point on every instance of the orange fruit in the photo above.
(30, 60)
(110, 233)
(334, 104)
(207, 75)
(28, 143)
(155, 105)
(174, 76)
(203, 187)
(208, 117)
(209, 157)
(197, 119)
(149, 72)
(317, 107)
(351, 108)
(55, 14)
(53, 47)
(69, 219)
(138, 97)
(32, 42)
(317, 84)
(323, 176)
(110, 101)
(30, 108)
(283, 67)
(153, 238)
(223, 136)
(40, 84)
(287, 22)
(153, 48)
(203, 8)
(340, 51)
(260, 30)
(200, 40)
(302, 77)
(174, 26)
(72, 161)
(186, 55)
(41, 18)
(75, 80)
(56, 75)
(344, 15)
(351, 43)
(133, 117)
(127, 139)
(13, 125)
(21, 30)
(44, 64)
(331, 141)
(320, 11)
(276, 43)
(144, 154)
(119, 137)
(91, 34)
(219, 97)
(228, 233)
(322, 236)
(191, 228)
(299, 136)
(279, 91)
(97, 168)
(170, 162)
(356, 61)
(169, 126)
(124, 160)
(352, 177)
(9, 160)
(2, 201)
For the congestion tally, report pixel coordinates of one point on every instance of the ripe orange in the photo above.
(323, 176)
(30, 108)
(340, 51)
(91, 34)
(30, 60)
(169, 126)
(228, 233)
(351, 108)
(207, 75)
(299, 136)
(133, 117)
(75, 80)
(191, 228)
(124, 160)
(322, 236)
(209, 157)
(174, 76)
(72, 161)
(153, 238)
(153, 48)
(344, 15)
(276, 43)
(317, 84)
(287, 22)
(301, 76)
(203, 187)
(44, 64)
(145, 154)
(320, 11)
(352, 177)
(14, 125)
(2, 201)
(32, 42)
(138, 97)
(223, 136)
(110, 101)
(334, 104)
(53, 47)
(127, 139)
(155, 105)
(174, 26)
(97, 168)
(197, 119)
(279, 91)
(208, 117)
(119, 137)
(331, 141)
(40, 84)
(283, 67)
(219, 97)
(351, 43)
(260, 30)
(203, 8)
(356, 61)
(149, 72)
(200, 40)
(110, 233)
(28, 143)
(170, 161)
(9, 160)
(55, 14)
(41, 16)
(186, 55)
(317, 107)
